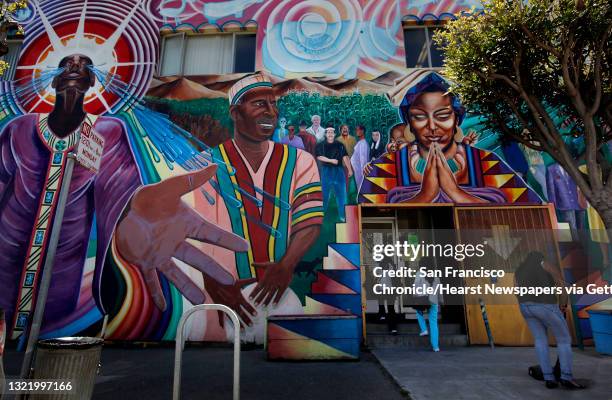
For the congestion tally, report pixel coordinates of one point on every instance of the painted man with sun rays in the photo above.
(146, 226)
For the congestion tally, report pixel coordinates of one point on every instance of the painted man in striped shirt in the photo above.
(273, 200)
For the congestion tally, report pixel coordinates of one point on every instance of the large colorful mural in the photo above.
(239, 189)
(131, 248)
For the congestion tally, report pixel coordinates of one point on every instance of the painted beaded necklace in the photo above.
(421, 163)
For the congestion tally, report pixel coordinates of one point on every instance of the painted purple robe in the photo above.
(407, 190)
(23, 170)
(389, 180)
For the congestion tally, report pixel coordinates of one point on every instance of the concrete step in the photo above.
(413, 341)
(411, 327)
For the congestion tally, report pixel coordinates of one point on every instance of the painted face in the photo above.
(432, 119)
(316, 120)
(282, 122)
(375, 136)
(330, 135)
(291, 130)
(75, 74)
(256, 116)
(360, 133)
(344, 130)
(396, 133)
(302, 128)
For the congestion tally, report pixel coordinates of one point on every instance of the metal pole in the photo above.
(43, 290)
(180, 345)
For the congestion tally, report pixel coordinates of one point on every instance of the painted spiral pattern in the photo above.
(312, 37)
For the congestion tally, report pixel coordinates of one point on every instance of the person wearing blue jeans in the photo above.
(432, 312)
(333, 181)
(543, 313)
(332, 159)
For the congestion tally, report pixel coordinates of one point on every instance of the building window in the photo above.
(204, 54)
(12, 58)
(421, 51)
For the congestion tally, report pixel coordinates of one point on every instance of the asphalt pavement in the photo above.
(479, 373)
(146, 373)
(473, 372)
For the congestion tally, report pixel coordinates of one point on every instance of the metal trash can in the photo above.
(71, 359)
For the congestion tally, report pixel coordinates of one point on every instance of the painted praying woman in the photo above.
(436, 162)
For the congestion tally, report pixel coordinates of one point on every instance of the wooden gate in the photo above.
(507, 324)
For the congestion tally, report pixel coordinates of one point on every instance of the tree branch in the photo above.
(540, 43)
(549, 131)
(572, 91)
(501, 124)
(597, 72)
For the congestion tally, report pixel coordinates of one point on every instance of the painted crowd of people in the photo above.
(340, 157)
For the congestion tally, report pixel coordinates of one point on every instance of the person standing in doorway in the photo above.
(543, 313)
(426, 283)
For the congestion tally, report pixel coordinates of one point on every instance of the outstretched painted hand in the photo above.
(155, 228)
(274, 283)
(231, 296)
(470, 138)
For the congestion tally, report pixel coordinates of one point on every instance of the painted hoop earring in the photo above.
(458, 135)
(408, 135)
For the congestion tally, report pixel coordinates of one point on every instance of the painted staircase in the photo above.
(331, 326)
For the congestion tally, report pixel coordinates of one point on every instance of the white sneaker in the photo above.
(424, 333)
(436, 350)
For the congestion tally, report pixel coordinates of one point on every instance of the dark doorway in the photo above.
(386, 224)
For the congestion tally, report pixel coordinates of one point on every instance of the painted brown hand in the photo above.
(430, 185)
(231, 296)
(275, 281)
(470, 139)
(448, 182)
(445, 175)
(156, 228)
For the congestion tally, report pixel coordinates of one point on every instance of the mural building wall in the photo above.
(224, 188)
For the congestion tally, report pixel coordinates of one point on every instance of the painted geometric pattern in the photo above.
(303, 339)
(38, 242)
(490, 172)
(496, 173)
(336, 292)
(59, 149)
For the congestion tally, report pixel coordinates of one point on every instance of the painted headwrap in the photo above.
(431, 82)
(249, 82)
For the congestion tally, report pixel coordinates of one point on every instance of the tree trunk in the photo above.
(606, 216)
(602, 203)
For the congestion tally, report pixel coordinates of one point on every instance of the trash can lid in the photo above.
(72, 342)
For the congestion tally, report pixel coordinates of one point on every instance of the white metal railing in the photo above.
(180, 346)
